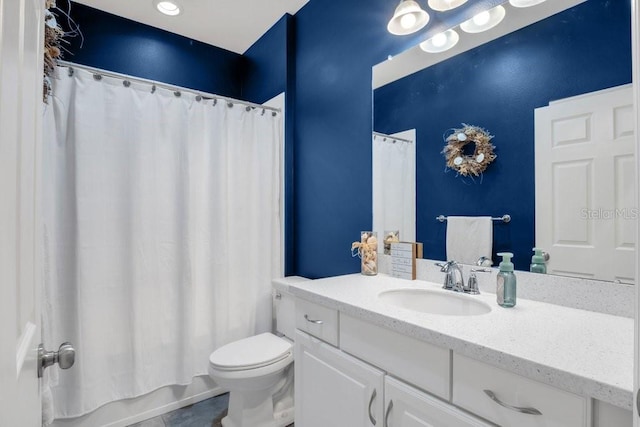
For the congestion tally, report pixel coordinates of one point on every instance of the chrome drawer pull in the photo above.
(373, 396)
(386, 417)
(530, 411)
(317, 322)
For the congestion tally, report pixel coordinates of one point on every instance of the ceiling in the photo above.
(230, 24)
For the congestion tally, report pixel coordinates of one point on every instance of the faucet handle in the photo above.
(445, 266)
(472, 286)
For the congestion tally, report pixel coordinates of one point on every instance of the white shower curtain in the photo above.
(161, 232)
(394, 185)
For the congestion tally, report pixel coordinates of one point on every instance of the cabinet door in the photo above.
(508, 399)
(333, 388)
(409, 407)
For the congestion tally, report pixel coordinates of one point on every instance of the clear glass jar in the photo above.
(368, 253)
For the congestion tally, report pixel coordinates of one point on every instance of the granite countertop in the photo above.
(584, 352)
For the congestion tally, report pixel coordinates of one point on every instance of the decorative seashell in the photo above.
(372, 241)
(462, 137)
(457, 161)
(50, 20)
(480, 158)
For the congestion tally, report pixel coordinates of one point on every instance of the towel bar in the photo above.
(504, 218)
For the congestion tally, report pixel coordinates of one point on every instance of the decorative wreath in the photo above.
(483, 154)
(53, 34)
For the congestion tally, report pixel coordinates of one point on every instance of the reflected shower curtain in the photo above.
(161, 233)
(394, 187)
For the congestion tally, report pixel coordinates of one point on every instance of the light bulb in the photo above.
(482, 18)
(407, 21)
(439, 40)
(168, 8)
(525, 3)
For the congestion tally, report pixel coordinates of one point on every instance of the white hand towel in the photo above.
(469, 238)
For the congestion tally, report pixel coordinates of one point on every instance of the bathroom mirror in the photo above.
(555, 55)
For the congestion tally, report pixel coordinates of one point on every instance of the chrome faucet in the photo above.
(453, 279)
(472, 286)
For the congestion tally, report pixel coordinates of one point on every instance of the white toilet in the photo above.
(258, 371)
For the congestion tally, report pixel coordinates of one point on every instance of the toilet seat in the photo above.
(251, 353)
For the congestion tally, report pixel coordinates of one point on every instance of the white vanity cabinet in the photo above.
(333, 388)
(352, 373)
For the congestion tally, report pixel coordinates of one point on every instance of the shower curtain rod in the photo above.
(174, 88)
(395, 138)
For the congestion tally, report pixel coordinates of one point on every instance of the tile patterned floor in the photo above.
(207, 413)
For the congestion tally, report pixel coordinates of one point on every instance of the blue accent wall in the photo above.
(128, 47)
(270, 70)
(337, 43)
(497, 86)
(266, 63)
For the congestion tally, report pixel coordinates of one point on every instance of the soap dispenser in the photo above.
(537, 262)
(506, 281)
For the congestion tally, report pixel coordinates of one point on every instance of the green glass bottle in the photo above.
(506, 282)
(537, 262)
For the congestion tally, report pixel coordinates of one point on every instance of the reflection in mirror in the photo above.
(394, 185)
(504, 86)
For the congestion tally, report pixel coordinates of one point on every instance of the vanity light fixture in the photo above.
(408, 18)
(444, 5)
(166, 7)
(440, 42)
(525, 3)
(484, 21)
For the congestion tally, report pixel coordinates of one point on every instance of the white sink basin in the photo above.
(435, 302)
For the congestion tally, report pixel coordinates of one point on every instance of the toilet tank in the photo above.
(284, 309)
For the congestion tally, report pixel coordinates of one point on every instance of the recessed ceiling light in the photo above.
(484, 21)
(171, 8)
(440, 42)
(525, 3)
(444, 5)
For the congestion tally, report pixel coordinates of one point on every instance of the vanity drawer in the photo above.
(317, 320)
(557, 408)
(422, 364)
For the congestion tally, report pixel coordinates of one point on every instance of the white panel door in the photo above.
(409, 407)
(585, 185)
(334, 389)
(21, 29)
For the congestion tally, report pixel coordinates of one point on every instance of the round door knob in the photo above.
(66, 355)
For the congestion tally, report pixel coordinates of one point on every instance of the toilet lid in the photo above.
(249, 353)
